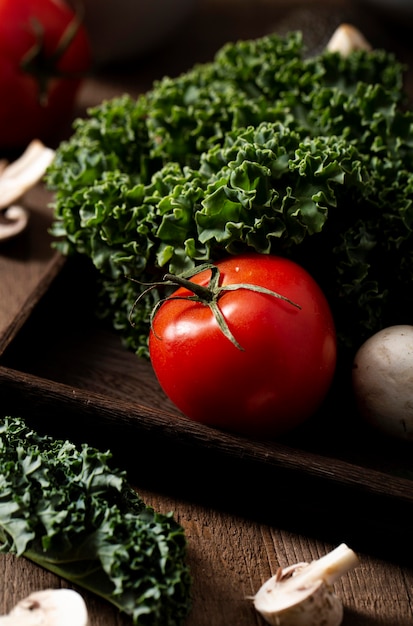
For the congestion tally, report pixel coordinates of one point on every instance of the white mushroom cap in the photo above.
(302, 606)
(382, 379)
(50, 607)
(302, 594)
(346, 39)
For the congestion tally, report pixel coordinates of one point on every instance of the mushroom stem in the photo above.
(328, 568)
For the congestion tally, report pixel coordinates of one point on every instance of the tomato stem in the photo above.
(44, 67)
(208, 295)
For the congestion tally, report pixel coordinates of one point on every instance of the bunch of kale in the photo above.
(65, 508)
(263, 149)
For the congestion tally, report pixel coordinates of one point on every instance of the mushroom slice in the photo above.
(15, 179)
(302, 594)
(346, 39)
(13, 221)
(19, 176)
(50, 607)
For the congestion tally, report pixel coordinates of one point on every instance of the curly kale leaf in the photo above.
(262, 149)
(66, 509)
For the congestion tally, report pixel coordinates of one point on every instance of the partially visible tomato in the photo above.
(281, 375)
(42, 62)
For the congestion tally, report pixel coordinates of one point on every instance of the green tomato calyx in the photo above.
(207, 295)
(43, 66)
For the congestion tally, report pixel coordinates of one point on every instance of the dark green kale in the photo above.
(263, 149)
(64, 508)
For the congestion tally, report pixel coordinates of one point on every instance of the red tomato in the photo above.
(285, 367)
(39, 80)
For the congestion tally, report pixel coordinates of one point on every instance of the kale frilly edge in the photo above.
(64, 507)
(262, 149)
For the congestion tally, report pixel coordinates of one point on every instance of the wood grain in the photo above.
(64, 363)
(247, 507)
(28, 266)
(230, 557)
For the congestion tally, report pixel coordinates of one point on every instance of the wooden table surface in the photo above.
(232, 551)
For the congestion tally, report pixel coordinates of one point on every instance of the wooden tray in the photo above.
(71, 377)
(28, 265)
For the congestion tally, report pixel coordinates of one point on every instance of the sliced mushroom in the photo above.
(50, 607)
(302, 594)
(19, 176)
(13, 221)
(15, 179)
(346, 39)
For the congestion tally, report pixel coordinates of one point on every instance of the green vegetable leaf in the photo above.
(263, 149)
(64, 508)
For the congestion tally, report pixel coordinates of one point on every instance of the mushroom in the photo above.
(346, 39)
(50, 607)
(15, 179)
(19, 176)
(13, 221)
(382, 379)
(302, 594)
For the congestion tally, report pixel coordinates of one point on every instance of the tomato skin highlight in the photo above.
(29, 110)
(287, 364)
